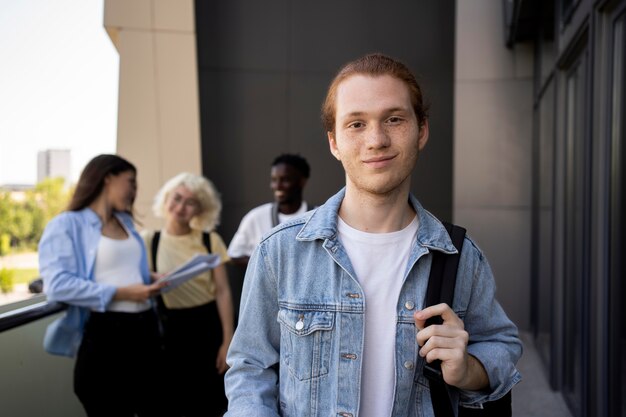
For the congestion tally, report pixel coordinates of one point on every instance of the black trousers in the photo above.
(117, 368)
(192, 337)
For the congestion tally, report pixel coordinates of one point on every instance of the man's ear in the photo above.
(423, 135)
(332, 143)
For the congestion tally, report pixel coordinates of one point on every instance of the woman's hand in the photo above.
(155, 276)
(138, 292)
(220, 362)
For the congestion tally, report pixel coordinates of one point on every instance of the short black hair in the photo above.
(295, 161)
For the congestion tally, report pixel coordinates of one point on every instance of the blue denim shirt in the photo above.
(297, 349)
(67, 255)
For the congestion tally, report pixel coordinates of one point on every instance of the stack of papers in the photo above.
(196, 265)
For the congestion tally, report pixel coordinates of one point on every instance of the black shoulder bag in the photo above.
(441, 283)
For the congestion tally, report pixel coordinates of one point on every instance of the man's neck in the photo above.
(289, 208)
(377, 213)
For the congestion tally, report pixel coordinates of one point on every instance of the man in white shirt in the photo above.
(288, 178)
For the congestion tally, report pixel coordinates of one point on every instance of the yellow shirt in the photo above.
(175, 250)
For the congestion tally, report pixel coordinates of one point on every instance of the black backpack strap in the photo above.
(206, 240)
(442, 279)
(153, 249)
(441, 283)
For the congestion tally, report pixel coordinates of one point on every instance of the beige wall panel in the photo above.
(158, 122)
(174, 15)
(481, 53)
(493, 146)
(138, 135)
(504, 237)
(129, 14)
(177, 86)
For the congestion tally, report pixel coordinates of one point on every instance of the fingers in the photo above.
(446, 342)
(447, 346)
(222, 367)
(443, 310)
(155, 276)
(155, 288)
(221, 364)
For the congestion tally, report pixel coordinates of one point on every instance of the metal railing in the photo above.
(25, 315)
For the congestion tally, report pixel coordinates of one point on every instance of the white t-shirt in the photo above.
(118, 263)
(254, 225)
(380, 261)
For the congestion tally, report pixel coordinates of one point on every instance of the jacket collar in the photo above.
(322, 224)
(92, 217)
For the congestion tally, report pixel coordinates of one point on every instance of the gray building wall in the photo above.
(493, 148)
(263, 72)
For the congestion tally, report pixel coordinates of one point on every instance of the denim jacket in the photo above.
(297, 349)
(67, 255)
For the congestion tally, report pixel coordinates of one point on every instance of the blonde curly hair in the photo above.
(205, 193)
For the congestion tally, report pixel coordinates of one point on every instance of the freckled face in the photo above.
(376, 137)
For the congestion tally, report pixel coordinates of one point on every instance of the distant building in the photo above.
(53, 163)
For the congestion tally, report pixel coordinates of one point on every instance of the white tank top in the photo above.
(118, 263)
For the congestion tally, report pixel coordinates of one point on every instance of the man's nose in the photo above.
(377, 136)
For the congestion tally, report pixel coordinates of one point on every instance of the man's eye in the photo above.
(356, 125)
(394, 119)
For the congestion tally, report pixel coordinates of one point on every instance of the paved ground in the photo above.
(532, 397)
(20, 260)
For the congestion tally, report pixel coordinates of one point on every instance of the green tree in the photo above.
(49, 198)
(5, 210)
(24, 220)
(6, 280)
(5, 243)
(52, 196)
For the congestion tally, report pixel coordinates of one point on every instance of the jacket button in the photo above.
(409, 305)
(344, 414)
(408, 364)
(353, 295)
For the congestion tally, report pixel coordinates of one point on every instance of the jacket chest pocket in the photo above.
(306, 338)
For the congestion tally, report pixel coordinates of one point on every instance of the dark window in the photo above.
(567, 10)
(576, 214)
(617, 293)
(545, 218)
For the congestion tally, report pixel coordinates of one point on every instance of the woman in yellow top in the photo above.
(197, 316)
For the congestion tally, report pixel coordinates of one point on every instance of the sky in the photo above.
(58, 84)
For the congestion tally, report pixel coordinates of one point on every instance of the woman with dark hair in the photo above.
(92, 258)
